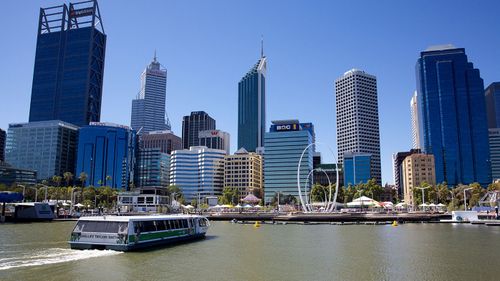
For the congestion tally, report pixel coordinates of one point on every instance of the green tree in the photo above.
(68, 178)
(229, 195)
(83, 178)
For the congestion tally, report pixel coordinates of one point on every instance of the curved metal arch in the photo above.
(331, 203)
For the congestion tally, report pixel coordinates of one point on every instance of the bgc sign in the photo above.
(287, 127)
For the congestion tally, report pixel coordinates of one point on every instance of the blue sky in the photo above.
(207, 46)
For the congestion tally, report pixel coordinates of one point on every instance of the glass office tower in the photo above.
(357, 168)
(284, 144)
(252, 107)
(452, 114)
(106, 153)
(47, 147)
(148, 109)
(69, 64)
(192, 125)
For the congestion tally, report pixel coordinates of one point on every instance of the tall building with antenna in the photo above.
(148, 109)
(69, 64)
(252, 105)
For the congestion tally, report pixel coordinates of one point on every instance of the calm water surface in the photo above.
(39, 251)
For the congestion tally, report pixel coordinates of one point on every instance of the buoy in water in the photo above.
(394, 223)
(257, 224)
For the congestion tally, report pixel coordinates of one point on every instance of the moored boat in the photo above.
(125, 233)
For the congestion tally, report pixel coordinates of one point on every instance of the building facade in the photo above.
(47, 147)
(252, 106)
(166, 141)
(357, 117)
(397, 162)
(452, 111)
(243, 170)
(324, 172)
(415, 133)
(10, 175)
(3, 137)
(148, 109)
(417, 169)
(215, 139)
(198, 172)
(192, 125)
(152, 168)
(357, 168)
(284, 144)
(494, 137)
(492, 96)
(69, 64)
(106, 154)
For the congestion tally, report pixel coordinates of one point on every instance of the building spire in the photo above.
(261, 46)
(154, 58)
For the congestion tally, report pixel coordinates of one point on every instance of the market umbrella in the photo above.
(79, 205)
(423, 205)
(250, 198)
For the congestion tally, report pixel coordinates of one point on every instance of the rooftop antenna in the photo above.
(154, 59)
(261, 46)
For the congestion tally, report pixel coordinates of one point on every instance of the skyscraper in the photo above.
(252, 106)
(415, 133)
(492, 95)
(284, 144)
(357, 117)
(453, 116)
(494, 139)
(106, 154)
(148, 110)
(48, 147)
(3, 136)
(192, 125)
(69, 64)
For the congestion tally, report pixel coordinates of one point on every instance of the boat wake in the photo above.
(51, 256)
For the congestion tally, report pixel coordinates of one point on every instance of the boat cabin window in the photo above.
(202, 222)
(101, 226)
(160, 225)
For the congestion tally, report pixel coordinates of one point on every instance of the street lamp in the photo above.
(423, 197)
(465, 198)
(24, 189)
(45, 187)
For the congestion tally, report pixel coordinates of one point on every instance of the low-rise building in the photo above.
(243, 171)
(357, 168)
(417, 169)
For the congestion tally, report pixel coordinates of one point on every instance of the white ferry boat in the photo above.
(125, 233)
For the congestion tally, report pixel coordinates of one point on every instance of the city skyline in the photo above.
(312, 79)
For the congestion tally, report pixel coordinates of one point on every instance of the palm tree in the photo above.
(82, 178)
(108, 180)
(68, 177)
(57, 180)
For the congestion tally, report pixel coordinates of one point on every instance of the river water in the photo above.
(39, 251)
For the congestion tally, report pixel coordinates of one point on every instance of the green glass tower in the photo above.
(252, 106)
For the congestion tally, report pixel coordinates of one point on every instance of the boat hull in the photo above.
(134, 246)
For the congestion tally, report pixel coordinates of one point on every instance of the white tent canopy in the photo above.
(363, 201)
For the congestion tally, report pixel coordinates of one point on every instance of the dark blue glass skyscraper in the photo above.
(69, 64)
(452, 112)
(252, 107)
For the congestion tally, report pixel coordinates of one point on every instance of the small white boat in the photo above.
(125, 233)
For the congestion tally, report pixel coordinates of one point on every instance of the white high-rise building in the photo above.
(415, 135)
(148, 109)
(198, 172)
(357, 117)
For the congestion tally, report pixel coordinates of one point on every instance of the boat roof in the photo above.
(136, 218)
